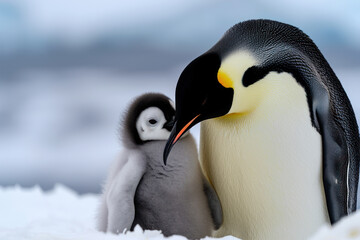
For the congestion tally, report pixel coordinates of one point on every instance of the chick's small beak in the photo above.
(169, 125)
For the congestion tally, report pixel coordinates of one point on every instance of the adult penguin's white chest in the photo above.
(266, 165)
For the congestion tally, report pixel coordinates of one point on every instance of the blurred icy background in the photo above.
(69, 68)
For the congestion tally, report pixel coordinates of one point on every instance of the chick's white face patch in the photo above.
(150, 125)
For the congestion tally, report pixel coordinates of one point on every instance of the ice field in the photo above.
(62, 214)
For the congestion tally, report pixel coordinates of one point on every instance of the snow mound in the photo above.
(346, 229)
(62, 214)
(59, 214)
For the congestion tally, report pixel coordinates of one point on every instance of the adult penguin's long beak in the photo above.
(175, 135)
(199, 96)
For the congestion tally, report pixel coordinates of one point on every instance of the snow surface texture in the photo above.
(61, 214)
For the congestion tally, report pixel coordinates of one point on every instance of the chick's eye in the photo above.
(152, 121)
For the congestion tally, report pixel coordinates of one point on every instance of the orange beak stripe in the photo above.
(184, 129)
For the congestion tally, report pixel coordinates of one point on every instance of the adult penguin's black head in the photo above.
(200, 95)
(223, 80)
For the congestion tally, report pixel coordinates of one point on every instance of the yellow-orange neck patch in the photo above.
(224, 79)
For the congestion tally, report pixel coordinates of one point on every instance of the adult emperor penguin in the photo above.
(176, 199)
(281, 143)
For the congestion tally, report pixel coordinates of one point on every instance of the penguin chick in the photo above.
(176, 198)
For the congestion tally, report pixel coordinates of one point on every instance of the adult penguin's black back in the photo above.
(280, 47)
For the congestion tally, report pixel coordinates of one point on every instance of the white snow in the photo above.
(62, 214)
(347, 229)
